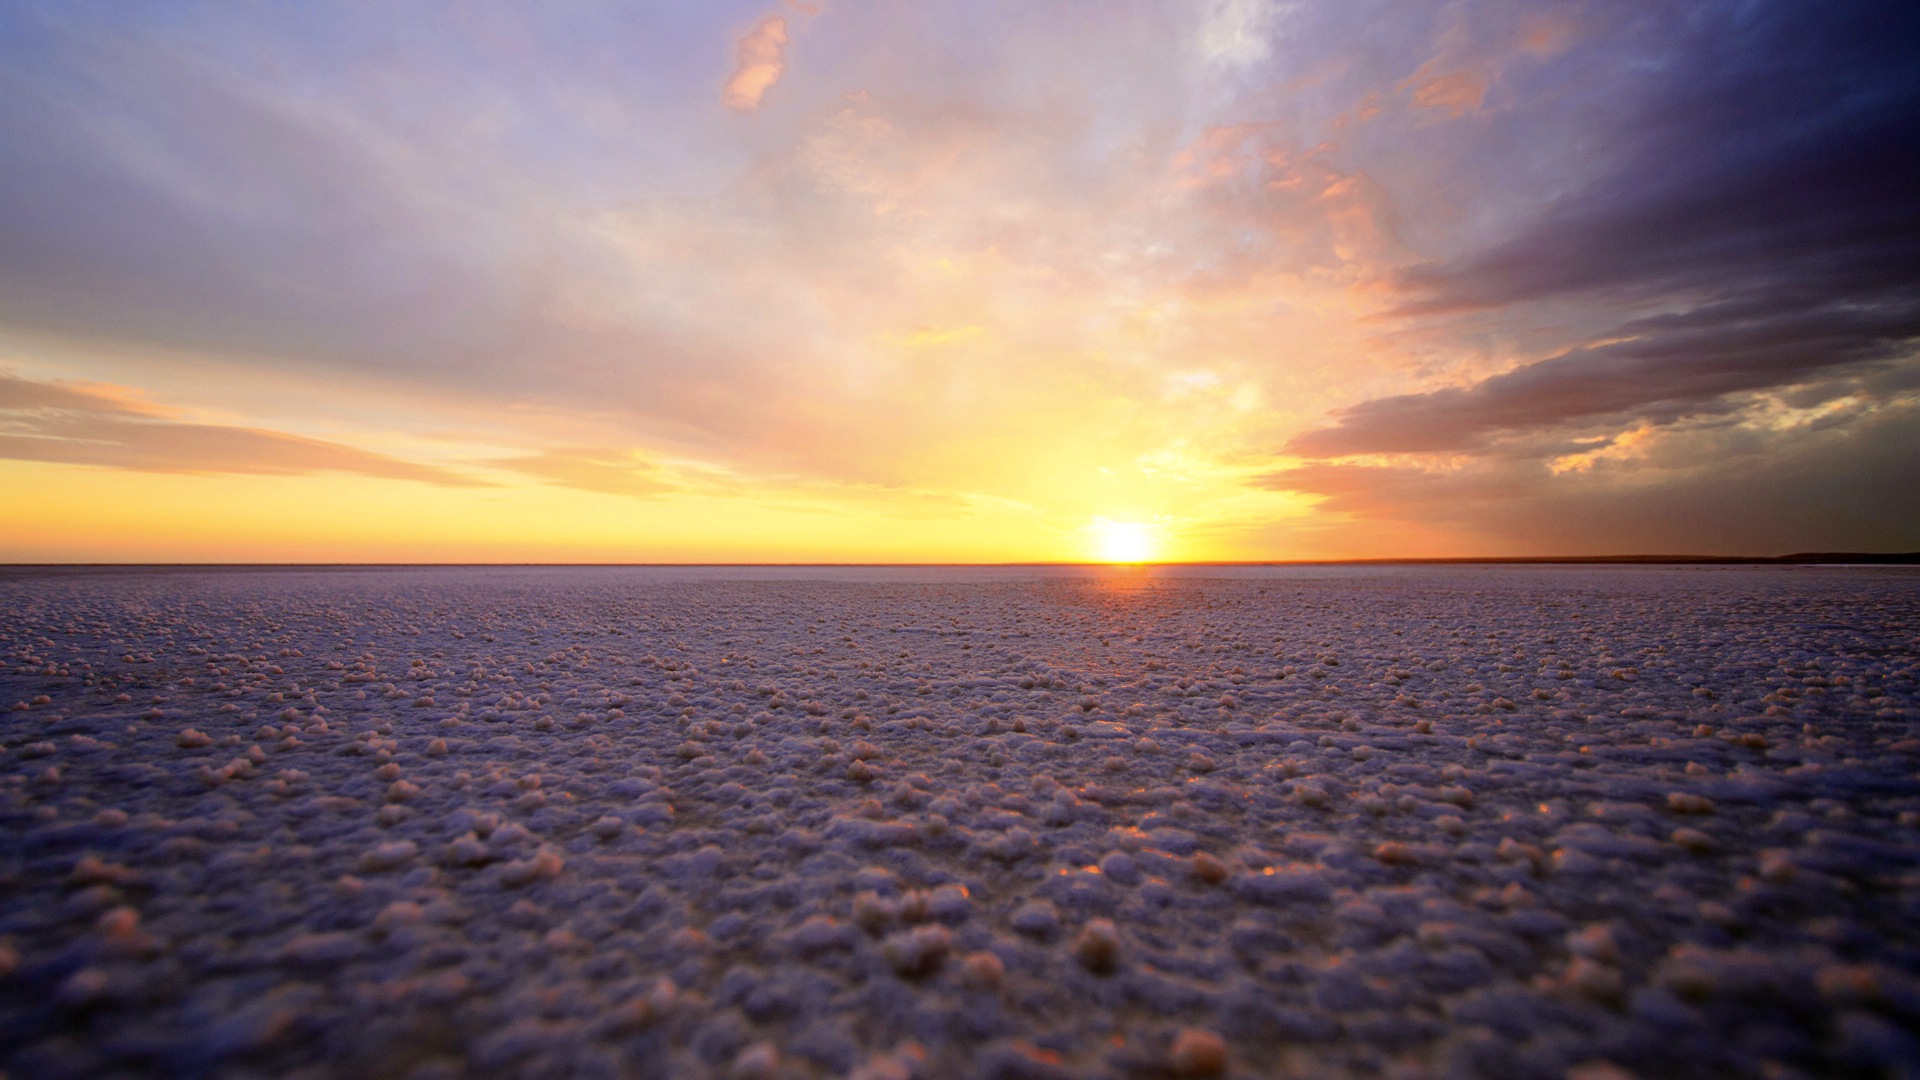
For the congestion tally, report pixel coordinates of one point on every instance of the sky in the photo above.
(1004, 280)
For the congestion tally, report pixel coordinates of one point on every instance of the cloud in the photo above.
(1235, 33)
(759, 59)
(1668, 368)
(1780, 149)
(424, 230)
(90, 424)
(1458, 92)
(1759, 231)
(154, 197)
(1836, 482)
(1547, 33)
(1270, 203)
(1825, 198)
(609, 472)
(25, 396)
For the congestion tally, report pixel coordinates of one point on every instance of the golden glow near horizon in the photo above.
(1123, 541)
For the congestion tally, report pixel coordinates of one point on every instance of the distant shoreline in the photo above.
(1836, 558)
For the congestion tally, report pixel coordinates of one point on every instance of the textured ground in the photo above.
(1499, 822)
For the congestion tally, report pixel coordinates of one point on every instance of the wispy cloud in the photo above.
(83, 424)
(1235, 33)
(760, 56)
(1457, 92)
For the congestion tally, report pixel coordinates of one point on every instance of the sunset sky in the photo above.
(1003, 280)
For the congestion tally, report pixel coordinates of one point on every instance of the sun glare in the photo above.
(1122, 541)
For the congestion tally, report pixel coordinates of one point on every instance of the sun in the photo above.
(1123, 541)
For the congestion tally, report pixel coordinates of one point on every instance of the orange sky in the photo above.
(1233, 280)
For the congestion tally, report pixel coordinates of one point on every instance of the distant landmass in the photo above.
(1803, 558)
(1854, 558)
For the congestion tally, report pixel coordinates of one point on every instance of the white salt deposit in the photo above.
(1501, 822)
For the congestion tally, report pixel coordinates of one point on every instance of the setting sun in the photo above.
(1123, 541)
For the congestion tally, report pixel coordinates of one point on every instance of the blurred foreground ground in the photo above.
(1447, 821)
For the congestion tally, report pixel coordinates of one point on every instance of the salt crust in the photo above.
(1502, 822)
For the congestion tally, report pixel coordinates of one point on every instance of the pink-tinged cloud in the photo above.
(1461, 92)
(1548, 34)
(109, 427)
(1273, 201)
(1458, 92)
(760, 58)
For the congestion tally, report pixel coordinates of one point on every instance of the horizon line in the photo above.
(1796, 558)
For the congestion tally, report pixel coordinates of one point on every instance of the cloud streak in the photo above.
(760, 56)
(1670, 368)
(100, 426)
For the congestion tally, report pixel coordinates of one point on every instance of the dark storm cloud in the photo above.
(1795, 161)
(1671, 367)
(1844, 483)
(1767, 206)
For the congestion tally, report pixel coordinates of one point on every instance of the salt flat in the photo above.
(1452, 821)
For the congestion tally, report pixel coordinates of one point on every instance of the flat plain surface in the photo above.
(1309, 821)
